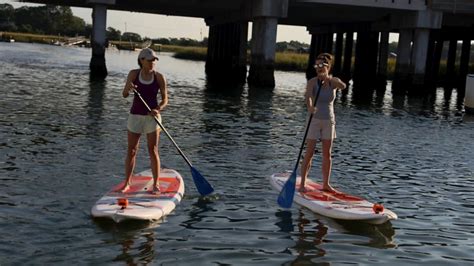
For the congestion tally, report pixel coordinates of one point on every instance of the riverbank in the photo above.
(31, 38)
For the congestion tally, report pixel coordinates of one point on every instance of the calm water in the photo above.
(63, 140)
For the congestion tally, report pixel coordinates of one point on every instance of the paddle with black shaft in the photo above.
(287, 193)
(201, 183)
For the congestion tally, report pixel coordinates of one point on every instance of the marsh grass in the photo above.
(184, 52)
(32, 38)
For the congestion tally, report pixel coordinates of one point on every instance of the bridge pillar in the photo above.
(346, 67)
(419, 56)
(310, 72)
(383, 57)
(263, 48)
(338, 54)
(227, 53)
(365, 65)
(435, 49)
(265, 14)
(97, 65)
(450, 64)
(464, 64)
(410, 72)
(402, 67)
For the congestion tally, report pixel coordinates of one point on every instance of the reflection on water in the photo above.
(63, 139)
(311, 237)
(136, 239)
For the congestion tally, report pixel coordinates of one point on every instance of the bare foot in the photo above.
(124, 189)
(156, 189)
(330, 189)
(303, 190)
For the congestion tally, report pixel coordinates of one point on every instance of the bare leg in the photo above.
(306, 166)
(153, 141)
(132, 150)
(327, 164)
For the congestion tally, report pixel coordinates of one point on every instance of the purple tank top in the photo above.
(149, 92)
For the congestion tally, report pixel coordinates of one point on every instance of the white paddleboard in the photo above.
(139, 202)
(334, 205)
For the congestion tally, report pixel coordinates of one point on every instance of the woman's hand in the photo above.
(312, 109)
(155, 112)
(131, 87)
(128, 89)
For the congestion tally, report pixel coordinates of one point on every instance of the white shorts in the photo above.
(142, 124)
(321, 129)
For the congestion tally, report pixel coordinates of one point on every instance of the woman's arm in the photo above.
(309, 95)
(132, 75)
(163, 90)
(337, 83)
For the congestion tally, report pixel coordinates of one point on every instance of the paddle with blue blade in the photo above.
(203, 187)
(287, 193)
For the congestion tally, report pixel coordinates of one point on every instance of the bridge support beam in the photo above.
(464, 63)
(347, 64)
(264, 14)
(402, 67)
(227, 53)
(365, 65)
(97, 65)
(383, 58)
(419, 56)
(411, 73)
(262, 64)
(337, 69)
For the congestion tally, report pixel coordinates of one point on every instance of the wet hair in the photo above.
(139, 63)
(326, 58)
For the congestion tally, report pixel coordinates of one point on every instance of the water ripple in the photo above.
(63, 139)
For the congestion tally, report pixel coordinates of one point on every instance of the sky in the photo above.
(160, 26)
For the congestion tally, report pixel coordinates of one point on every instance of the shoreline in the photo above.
(284, 61)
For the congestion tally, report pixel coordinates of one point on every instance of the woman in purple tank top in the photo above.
(148, 83)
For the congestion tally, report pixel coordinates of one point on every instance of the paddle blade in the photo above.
(201, 183)
(285, 199)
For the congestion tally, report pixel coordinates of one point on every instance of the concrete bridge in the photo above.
(423, 26)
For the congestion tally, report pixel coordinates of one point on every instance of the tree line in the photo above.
(59, 20)
(54, 20)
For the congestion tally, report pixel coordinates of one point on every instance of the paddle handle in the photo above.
(307, 127)
(163, 128)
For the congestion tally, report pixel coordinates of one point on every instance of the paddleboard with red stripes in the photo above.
(140, 202)
(335, 205)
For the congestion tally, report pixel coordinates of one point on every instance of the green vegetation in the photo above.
(50, 20)
(31, 38)
(291, 61)
(191, 53)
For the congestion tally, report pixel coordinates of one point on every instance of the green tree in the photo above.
(131, 36)
(33, 19)
(7, 17)
(113, 34)
(7, 12)
(49, 19)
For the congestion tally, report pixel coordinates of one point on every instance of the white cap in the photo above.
(147, 54)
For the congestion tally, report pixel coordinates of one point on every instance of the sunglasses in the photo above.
(321, 65)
